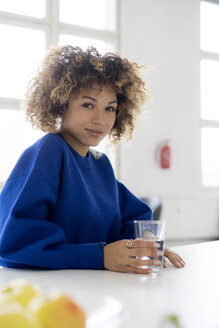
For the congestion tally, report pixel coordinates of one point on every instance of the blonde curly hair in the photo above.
(66, 70)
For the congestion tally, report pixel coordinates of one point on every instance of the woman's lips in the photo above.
(95, 133)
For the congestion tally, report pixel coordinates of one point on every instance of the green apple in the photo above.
(57, 311)
(13, 315)
(18, 290)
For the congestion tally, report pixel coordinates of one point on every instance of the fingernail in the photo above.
(159, 253)
(156, 245)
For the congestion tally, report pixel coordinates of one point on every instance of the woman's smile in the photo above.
(95, 133)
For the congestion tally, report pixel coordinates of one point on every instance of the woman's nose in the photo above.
(99, 117)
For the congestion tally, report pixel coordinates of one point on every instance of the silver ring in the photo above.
(129, 244)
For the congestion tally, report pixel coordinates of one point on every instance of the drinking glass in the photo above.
(153, 231)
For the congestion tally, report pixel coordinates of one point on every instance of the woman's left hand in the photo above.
(173, 257)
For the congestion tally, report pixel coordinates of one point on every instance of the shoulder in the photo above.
(47, 148)
(44, 153)
(103, 164)
(100, 158)
(53, 142)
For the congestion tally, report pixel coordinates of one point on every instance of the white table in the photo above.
(113, 299)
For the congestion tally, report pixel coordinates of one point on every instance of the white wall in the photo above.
(164, 34)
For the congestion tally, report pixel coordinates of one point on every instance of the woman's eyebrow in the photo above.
(95, 100)
(88, 97)
(113, 102)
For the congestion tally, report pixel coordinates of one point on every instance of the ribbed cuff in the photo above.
(102, 244)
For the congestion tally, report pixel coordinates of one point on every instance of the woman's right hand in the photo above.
(118, 257)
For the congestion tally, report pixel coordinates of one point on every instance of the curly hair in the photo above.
(66, 70)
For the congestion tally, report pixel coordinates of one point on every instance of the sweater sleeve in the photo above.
(132, 208)
(28, 239)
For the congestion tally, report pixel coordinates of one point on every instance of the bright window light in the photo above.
(209, 27)
(210, 156)
(23, 48)
(209, 89)
(101, 46)
(16, 135)
(33, 8)
(97, 14)
(24, 37)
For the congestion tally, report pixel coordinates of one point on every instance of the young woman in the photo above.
(62, 207)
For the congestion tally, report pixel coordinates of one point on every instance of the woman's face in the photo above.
(89, 117)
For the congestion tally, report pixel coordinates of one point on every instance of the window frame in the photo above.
(204, 122)
(52, 28)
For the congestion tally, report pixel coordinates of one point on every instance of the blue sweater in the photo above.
(58, 209)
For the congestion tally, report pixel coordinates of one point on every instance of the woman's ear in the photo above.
(64, 108)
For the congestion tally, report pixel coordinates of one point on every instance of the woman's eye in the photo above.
(88, 105)
(111, 109)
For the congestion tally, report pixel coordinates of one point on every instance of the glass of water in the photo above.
(153, 231)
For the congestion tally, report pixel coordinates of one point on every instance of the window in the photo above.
(27, 29)
(99, 14)
(19, 58)
(12, 123)
(30, 8)
(209, 69)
